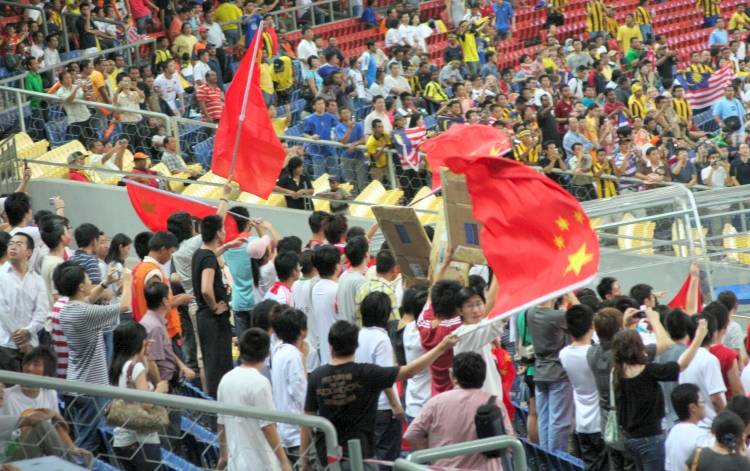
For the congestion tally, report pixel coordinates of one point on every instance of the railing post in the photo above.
(19, 106)
(355, 455)
(66, 39)
(175, 131)
(392, 170)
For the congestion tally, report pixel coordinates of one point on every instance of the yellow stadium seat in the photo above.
(638, 235)
(26, 148)
(206, 191)
(250, 198)
(22, 140)
(175, 186)
(426, 208)
(678, 233)
(321, 183)
(371, 195)
(391, 197)
(58, 155)
(736, 242)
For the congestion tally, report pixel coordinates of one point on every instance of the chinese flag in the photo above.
(260, 155)
(485, 141)
(680, 299)
(535, 235)
(154, 207)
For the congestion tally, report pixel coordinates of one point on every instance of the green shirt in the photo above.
(632, 55)
(524, 337)
(33, 82)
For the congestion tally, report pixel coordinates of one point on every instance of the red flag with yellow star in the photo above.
(535, 235)
(154, 206)
(484, 141)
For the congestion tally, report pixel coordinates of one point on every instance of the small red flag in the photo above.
(260, 155)
(486, 141)
(535, 236)
(154, 207)
(680, 300)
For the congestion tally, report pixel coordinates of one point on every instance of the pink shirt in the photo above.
(139, 8)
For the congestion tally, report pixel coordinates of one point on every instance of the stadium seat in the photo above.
(740, 244)
(56, 131)
(207, 191)
(58, 155)
(203, 151)
(371, 195)
(682, 249)
(428, 207)
(637, 237)
(26, 148)
(175, 186)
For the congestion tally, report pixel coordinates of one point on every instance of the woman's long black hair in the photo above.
(127, 341)
(118, 241)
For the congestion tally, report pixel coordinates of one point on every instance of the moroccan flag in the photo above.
(535, 236)
(259, 155)
(680, 300)
(485, 141)
(154, 207)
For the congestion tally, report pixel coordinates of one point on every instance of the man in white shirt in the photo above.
(378, 112)
(685, 436)
(24, 303)
(705, 372)
(580, 321)
(357, 252)
(51, 53)
(201, 68)
(394, 82)
(167, 85)
(287, 272)
(78, 115)
(306, 47)
(288, 373)
(20, 217)
(406, 32)
(374, 346)
(326, 260)
(249, 443)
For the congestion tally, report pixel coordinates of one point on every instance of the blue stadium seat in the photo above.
(174, 462)
(203, 151)
(70, 55)
(210, 450)
(189, 390)
(4, 73)
(100, 465)
(56, 132)
(55, 112)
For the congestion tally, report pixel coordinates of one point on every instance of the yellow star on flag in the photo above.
(495, 151)
(148, 207)
(578, 216)
(562, 223)
(559, 242)
(577, 260)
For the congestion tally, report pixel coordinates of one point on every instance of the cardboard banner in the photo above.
(458, 271)
(407, 239)
(463, 230)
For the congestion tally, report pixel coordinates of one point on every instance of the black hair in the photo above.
(17, 206)
(68, 277)
(384, 262)
(477, 283)
(710, 323)
(210, 227)
(740, 405)
(162, 240)
(285, 264)
(49, 359)
(682, 396)
(305, 262)
(260, 316)
(678, 324)
(289, 244)
(580, 320)
(466, 293)
(4, 239)
(52, 229)
(315, 221)
(470, 370)
(728, 429)
(414, 299)
(444, 298)
(355, 231)
(294, 163)
(118, 241)
(140, 243)
(127, 341)
(85, 234)
(728, 299)
(41, 214)
(287, 326)
(326, 259)
(181, 225)
(356, 250)
(155, 293)
(343, 338)
(255, 344)
(641, 292)
(334, 228)
(605, 287)
(241, 217)
(375, 309)
(719, 312)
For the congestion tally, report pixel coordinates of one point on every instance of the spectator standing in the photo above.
(685, 436)
(326, 259)
(321, 125)
(169, 89)
(377, 145)
(286, 265)
(727, 450)
(238, 261)
(210, 96)
(505, 21)
(386, 272)
(739, 170)
(78, 116)
(350, 282)
(87, 240)
(728, 358)
(33, 82)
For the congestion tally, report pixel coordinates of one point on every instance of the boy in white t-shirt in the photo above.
(326, 259)
(580, 321)
(685, 436)
(287, 271)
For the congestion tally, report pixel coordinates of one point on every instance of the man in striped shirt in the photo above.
(643, 20)
(711, 10)
(596, 17)
(682, 108)
(210, 98)
(87, 240)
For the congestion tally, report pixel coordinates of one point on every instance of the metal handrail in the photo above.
(174, 401)
(66, 36)
(31, 7)
(475, 446)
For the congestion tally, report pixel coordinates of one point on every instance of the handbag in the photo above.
(612, 431)
(132, 415)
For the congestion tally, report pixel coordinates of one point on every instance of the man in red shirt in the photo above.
(438, 320)
(141, 164)
(563, 108)
(77, 158)
(728, 358)
(210, 98)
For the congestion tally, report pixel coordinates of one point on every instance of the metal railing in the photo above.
(101, 19)
(30, 7)
(280, 16)
(192, 405)
(467, 448)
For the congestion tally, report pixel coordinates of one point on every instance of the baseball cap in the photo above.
(140, 156)
(258, 247)
(202, 29)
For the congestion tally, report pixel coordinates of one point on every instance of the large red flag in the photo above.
(485, 141)
(535, 236)
(260, 155)
(154, 207)
(680, 300)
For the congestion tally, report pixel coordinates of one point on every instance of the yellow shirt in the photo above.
(97, 80)
(549, 63)
(373, 144)
(228, 12)
(595, 16)
(162, 55)
(266, 78)
(683, 110)
(738, 20)
(642, 16)
(284, 79)
(626, 34)
(279, 125)
(469, 46)
(637, 107)
(184, 44)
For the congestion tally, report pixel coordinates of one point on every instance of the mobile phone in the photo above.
(52, 201)
(642, 312)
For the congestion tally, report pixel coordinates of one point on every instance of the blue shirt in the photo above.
(324, 126)
(718, 38)
(358, 132)
(89, 263)
(238, 262)
(251, 27)
(326, 70)
(503, 15)
(725, 108)
(572, 138)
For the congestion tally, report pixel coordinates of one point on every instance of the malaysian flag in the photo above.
(704, 89)
(407, 141)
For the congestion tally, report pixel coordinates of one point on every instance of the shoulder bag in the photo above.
(612, 432)
(132, 415)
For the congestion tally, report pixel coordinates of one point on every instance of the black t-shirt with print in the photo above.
(205, 259)
(347, 395)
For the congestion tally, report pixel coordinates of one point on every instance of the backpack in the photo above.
(488, 421)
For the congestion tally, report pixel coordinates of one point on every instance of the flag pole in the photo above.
(257, 40)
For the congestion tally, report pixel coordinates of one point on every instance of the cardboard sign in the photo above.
(458, 271)
(463, 230)
(407, 239)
